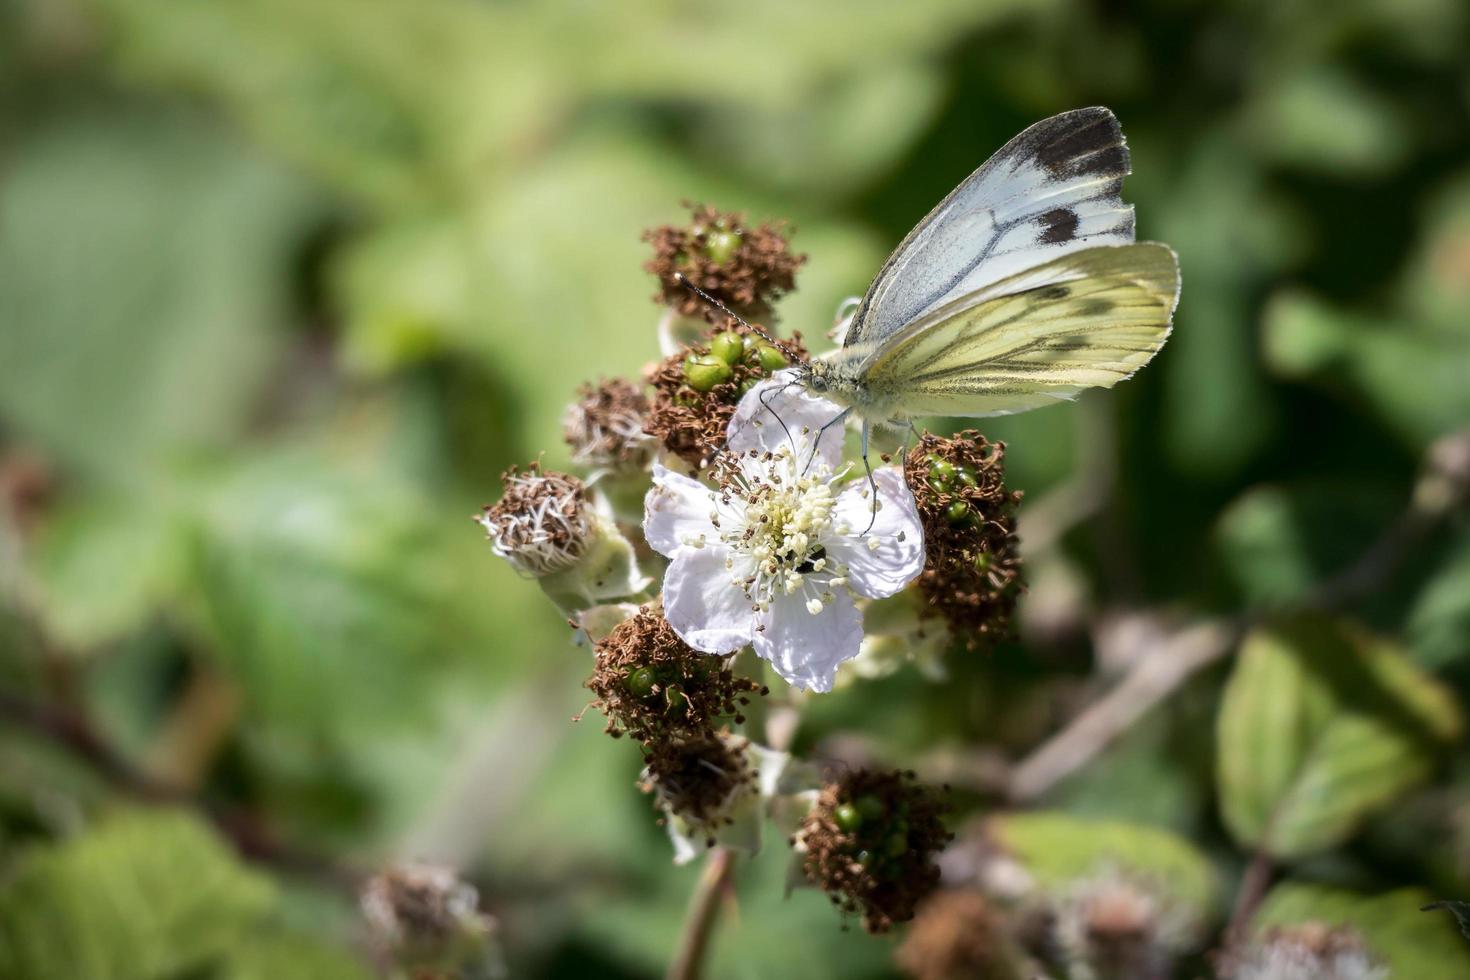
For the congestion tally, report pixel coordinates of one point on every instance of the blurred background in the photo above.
(285, 285)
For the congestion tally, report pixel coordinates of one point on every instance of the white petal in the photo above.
(764, 410)
(889, 555)
(676, 511)
(702, 604)
(806, 649)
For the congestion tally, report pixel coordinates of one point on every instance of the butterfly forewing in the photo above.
(1052, 190)
(1089, 319)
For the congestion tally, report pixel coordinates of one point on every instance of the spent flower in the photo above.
(776, 554)
(604, 426)
(1308, 951)
(745, 267)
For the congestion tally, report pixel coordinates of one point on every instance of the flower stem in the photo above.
(704, 907)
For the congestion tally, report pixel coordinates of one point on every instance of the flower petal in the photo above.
(779, 414)
(804, 647)
(703, 606)
(890, 554)
(676, 510)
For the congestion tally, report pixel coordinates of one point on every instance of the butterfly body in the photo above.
(1021, 288)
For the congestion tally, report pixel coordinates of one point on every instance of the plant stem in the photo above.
(704, 907)
(1253, 885)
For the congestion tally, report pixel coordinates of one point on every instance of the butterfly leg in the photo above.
(780, 421)
(872, 481)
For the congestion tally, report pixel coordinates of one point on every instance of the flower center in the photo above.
(787, 514)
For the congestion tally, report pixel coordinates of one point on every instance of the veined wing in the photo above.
(1086, 320)
(1054, 189)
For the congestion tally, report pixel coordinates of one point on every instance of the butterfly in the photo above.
(1021, 288)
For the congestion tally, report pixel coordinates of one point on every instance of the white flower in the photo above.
(775, 556)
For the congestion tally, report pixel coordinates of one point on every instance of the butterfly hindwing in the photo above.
(1054, 189)
(1088, 319)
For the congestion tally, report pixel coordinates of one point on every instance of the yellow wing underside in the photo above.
(1087, 320)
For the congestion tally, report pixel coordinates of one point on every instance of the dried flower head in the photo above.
(1114, 926)
(1309, 951)
(701, 781)
(696, 390)
(870, 843)
(959, 935)
(658, 689)
(604, 426)
(421, 910)
(746, 268)
(543, 523)
(972, 574)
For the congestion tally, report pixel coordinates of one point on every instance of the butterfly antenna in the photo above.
(683, 280)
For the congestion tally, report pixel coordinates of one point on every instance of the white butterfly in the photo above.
(1023, 287)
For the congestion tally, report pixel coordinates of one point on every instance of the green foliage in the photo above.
(147, 895)
(1058, 849)
(1320, 726)
(1422, 945)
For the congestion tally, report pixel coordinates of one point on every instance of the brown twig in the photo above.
(704, 906)
(1253, 885)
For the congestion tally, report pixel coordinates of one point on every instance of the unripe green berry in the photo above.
(771, 358)
(957, 513)
(641, 681)
(847, 817)
(983, 562)
(728, 347)
(941, 469)
(677, 699)
(748, 384)
(870, 807)
(965, 475)
(705, 371)
(897, 844)
(721, 246)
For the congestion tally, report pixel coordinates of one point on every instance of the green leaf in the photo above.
(1058, 849)
(1439, 621)
(144, 277)
(149, 895)
(1414, 945)
(1319, 727)
(101, 567)
(282, 956)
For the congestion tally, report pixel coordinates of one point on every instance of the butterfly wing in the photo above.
(1054, 189)
(1086, 320)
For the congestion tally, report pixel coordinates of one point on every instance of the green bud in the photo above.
(728, 347)
(771, 358)
(641, 681)
(941, 469)
(957, 513)
(847, 817)
(870, 807)
(721, 246)
(705, 371)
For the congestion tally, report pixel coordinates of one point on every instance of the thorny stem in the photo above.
(1159, 673)
(69, 728)
(704, 907)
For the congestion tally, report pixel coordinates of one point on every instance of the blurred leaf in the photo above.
(1278, 542)
(1320, 726)
(1322, 118)
(147, 894)
(1059, 849)
(1438, 627)
(144, 276)
(281, 956)
(1413, 378)
(1414, 944)
(1436, 284)
(101, 567)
